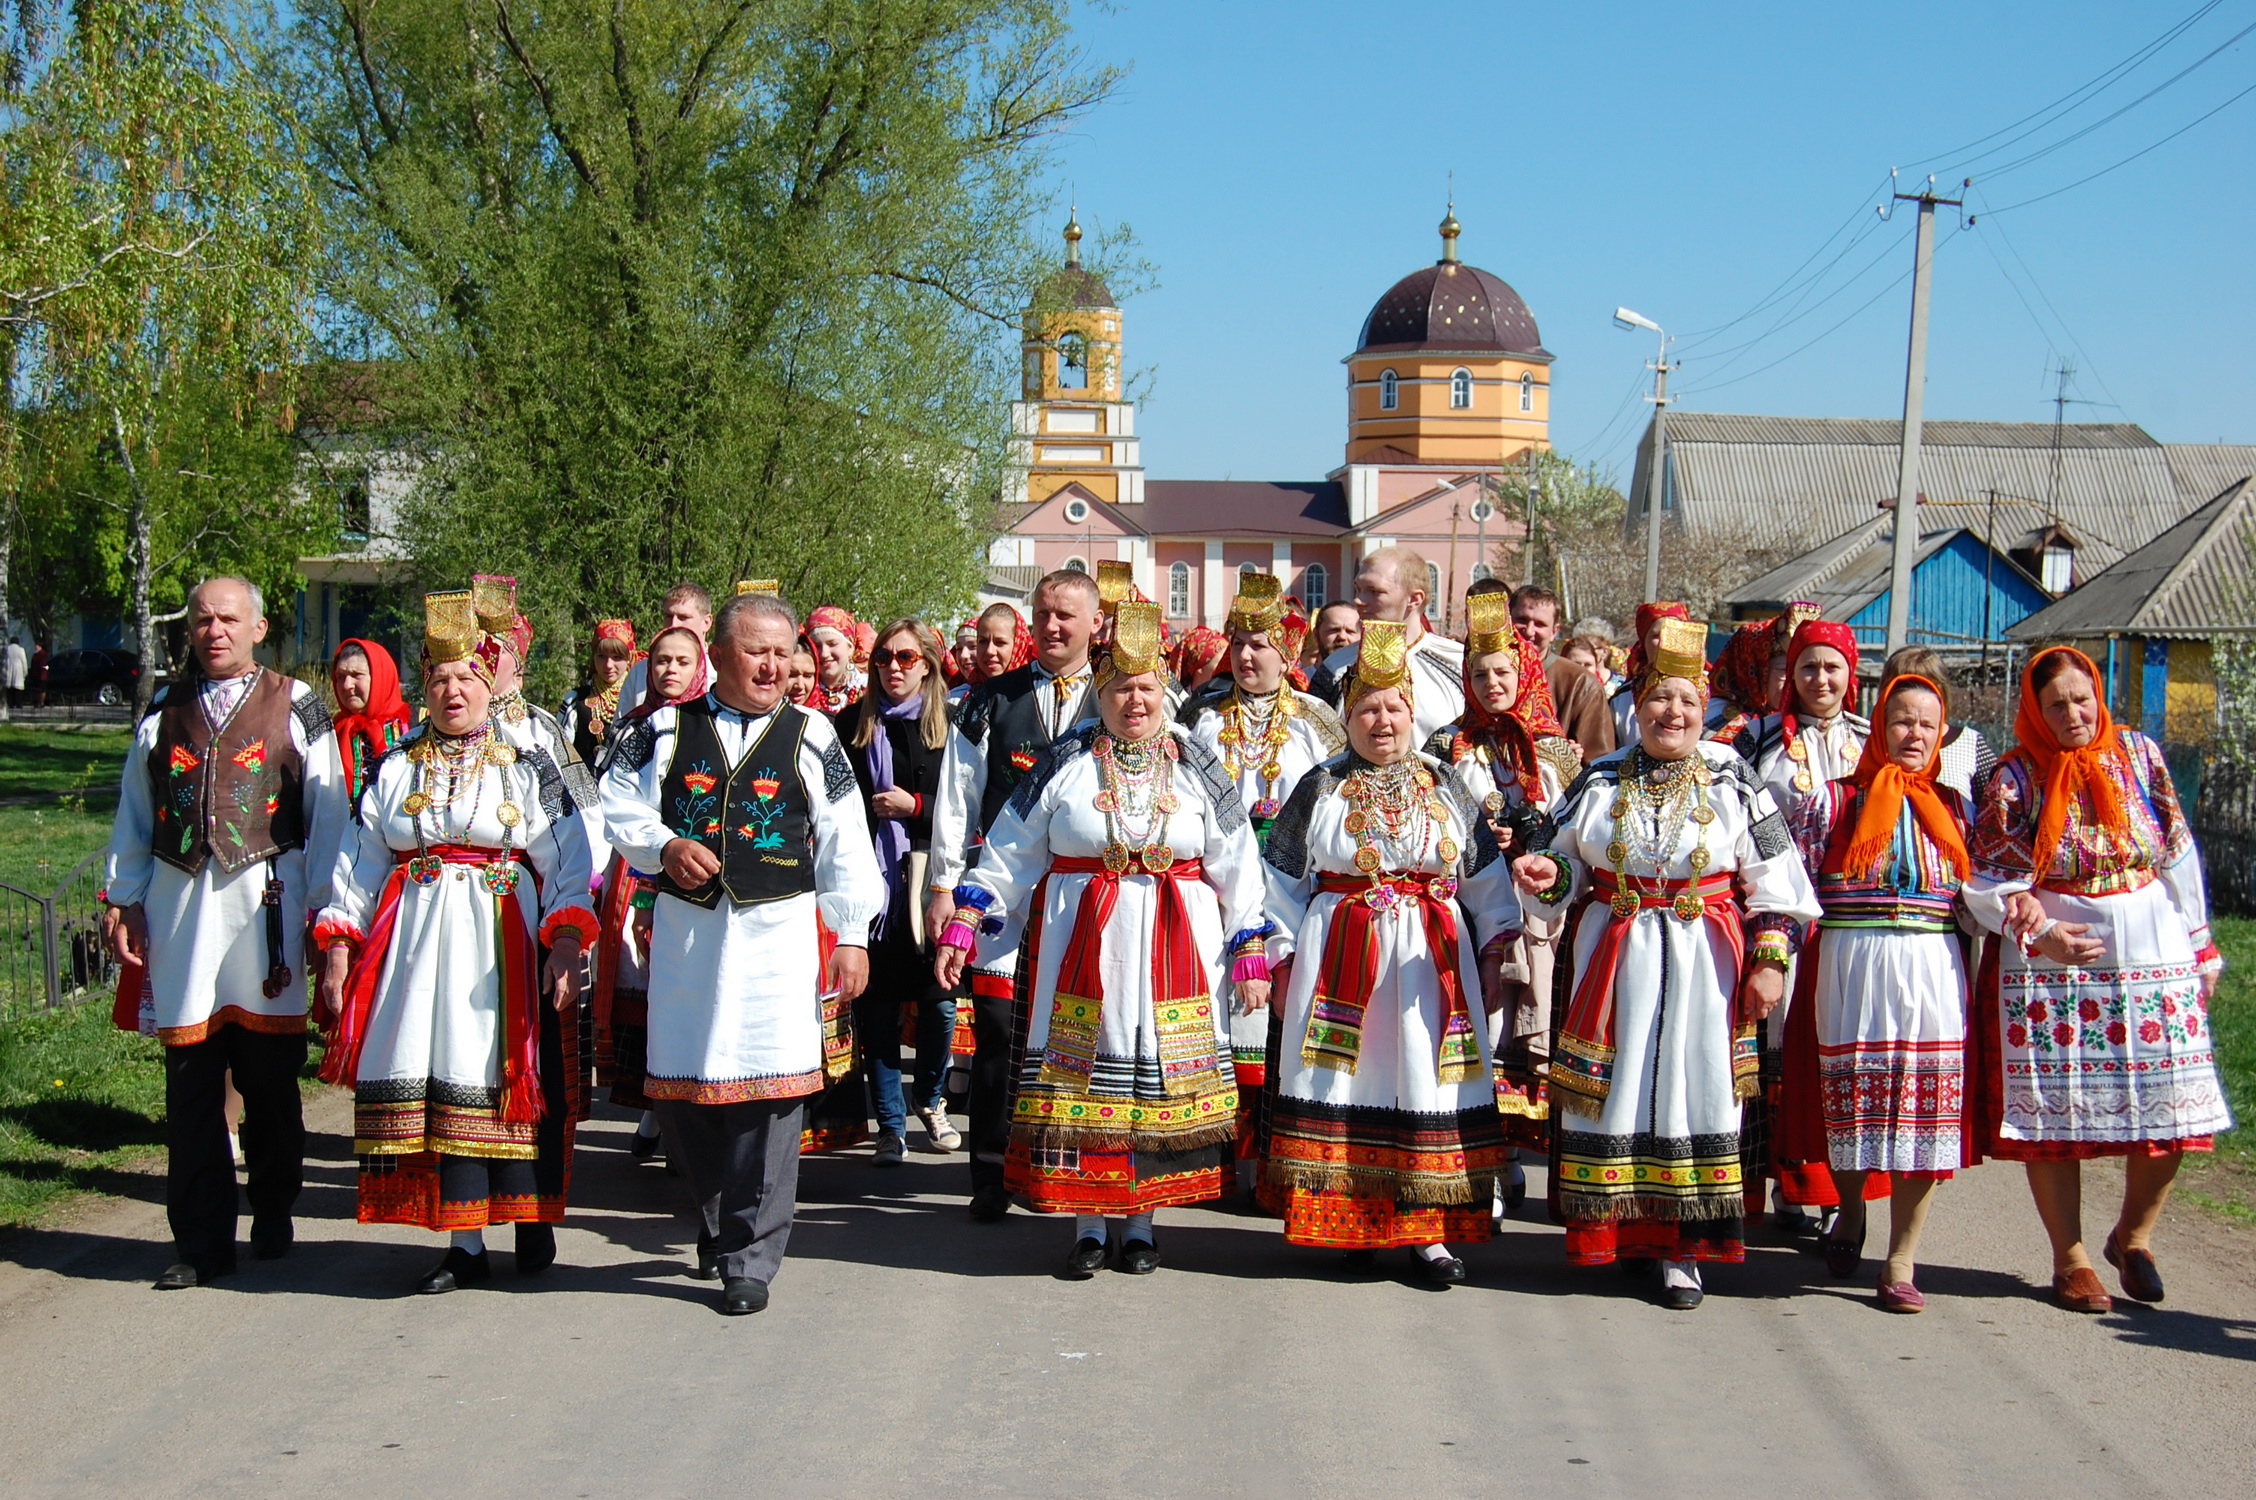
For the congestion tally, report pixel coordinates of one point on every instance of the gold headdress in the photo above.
(1382, 660)
(1116, 581)
(1488, 624)
(1136, 642)
(494, 600)
(1259, 606)
(1683, 652)
(450, 627)
(768, 586)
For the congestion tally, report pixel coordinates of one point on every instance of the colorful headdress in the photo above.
(1887, 787)
(1201, 653)
(493, 598)
(450, 627)
(1136, 646)
(1488, 624)
(1259, 605)
(771, 587)
(1116, 582)
(1382, 659)
(831, 617)
(1668, 609)
(1816, 633)
(1742, 669)
(2069, 775)
(1534, 715)
(1683, 652)
(621, 631)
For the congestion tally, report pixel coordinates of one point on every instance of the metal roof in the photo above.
(2198, 578)
(1844, 575)
(1455, 307)
(1776, 478)
(1215, 507)
(2206, 470)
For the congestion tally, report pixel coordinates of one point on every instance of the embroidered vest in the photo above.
(1008, 729)
(754, 815)
(237, 795)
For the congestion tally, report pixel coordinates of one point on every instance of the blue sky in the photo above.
(1283, 164)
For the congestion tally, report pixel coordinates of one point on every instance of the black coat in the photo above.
(915, 769)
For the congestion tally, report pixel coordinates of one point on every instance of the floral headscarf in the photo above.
(1533, 715)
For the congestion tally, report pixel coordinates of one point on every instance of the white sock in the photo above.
(469, 1241)
(1434, 1253)
(1088, 1227)
(1139, 1228)
(647, 1126)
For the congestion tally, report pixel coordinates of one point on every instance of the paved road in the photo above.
(911, 1352)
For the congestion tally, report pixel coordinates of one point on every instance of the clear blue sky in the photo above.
(1283, 164)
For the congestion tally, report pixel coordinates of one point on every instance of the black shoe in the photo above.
(1359, 1262)
(1681, 1298)
(1085, 1259)
(536, 1248)
(1139, 1258)
(708, 1267)
(989, 1204)
(180, 1276)
(741, 1295)
(459, 1268)
(1515, 1195)
(643, 1147)
(1637, 1265)
(271, 1241)
(1447, 1271)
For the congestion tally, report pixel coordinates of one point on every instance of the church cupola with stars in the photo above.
(1070, 425)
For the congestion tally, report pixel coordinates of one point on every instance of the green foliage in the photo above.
(2232, 1022)
(80, 1103)
(702, 289)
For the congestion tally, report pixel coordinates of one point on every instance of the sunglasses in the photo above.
(895, 658)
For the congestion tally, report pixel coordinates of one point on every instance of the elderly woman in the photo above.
(1884, 980)
(590, 709)
(1130, 846)
(1683, 895)
(464, 1082)
(1648, 634)
(371, 715)
(2093, 1010)
(1511, 753)
(1384, 882)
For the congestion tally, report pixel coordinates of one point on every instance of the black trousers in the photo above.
(200, 1197)
(742, 1161)
(992, 1020)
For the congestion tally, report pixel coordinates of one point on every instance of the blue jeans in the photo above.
(877, 1022)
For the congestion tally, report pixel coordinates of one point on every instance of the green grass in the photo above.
(2232, 1017)
(80, 1102)
(40, 844)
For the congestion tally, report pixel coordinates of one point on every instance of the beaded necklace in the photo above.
(1136, 794)
(1393, 811)
(459, 760)
(1670, 793)
(1269, 729)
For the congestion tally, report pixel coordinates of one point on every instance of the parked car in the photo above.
(104, 675)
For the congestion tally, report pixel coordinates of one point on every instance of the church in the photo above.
(1448, 390)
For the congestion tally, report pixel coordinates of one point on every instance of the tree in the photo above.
(151, 265)
(695, 289)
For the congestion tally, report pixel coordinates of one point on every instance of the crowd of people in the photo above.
(1337, 916)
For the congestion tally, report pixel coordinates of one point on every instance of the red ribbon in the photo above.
(1177, 973)
(1351, 948)
(1588, 1032)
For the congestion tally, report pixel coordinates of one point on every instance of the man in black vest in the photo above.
(1002, 727)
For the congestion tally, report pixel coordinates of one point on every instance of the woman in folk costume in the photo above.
(1748, 679)
(2092, 1024)
(1966, 760)
(1145, 884)
(1201, 658)
(1266, 734)
(675, 672)
(1391, 905)
(1684, 895)
(371, 715)
(464, 1081)
(1624, 701)
(829, 634)
(1512, 754)
(590, 710)
(1883, 978)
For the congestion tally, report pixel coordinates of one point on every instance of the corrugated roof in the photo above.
(1773, 478)
(2206, 470)
(2197, 578)
(1844, 575)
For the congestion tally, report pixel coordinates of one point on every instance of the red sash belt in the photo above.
(1350, 970)
(1070, 1054)
(1582, 1065)
(516, 961)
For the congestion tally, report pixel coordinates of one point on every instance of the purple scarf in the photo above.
(891, 834)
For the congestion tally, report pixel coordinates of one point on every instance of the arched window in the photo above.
(1074, 565)
(1390, 391)
(1527, 390)
(1073, 363)
(1245, 571)
(1313, 583)
(1482, 572)
(1179, 589)
(1461, 390)
(1433, 588)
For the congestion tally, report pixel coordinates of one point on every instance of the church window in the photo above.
(1390, 391)
(1433, 588)
(1527, 390)
(1482, 572)
(1073, 363)
(1178, 589)
(1461, 390)
(1074, 565)
(1313, 581)
(1077, 510)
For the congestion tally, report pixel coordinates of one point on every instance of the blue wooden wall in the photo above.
(1946, 598)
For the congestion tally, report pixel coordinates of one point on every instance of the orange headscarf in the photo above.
(2064, 773)
(1887, 786)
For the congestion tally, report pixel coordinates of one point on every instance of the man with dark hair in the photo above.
(1002, 728)
(1337, 625)
(1582, 707)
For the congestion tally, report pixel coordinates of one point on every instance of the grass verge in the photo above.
(42, 843)
(80, 1102)
(2226, 1182)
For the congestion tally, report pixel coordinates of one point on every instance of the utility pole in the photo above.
(1915, 390)
(1660, 368)
(1527, 551)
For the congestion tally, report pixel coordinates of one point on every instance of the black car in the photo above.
(104, 675)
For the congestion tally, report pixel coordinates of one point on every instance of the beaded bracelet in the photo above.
(1770, 948)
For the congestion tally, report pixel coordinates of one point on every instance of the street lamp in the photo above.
(1624, 318)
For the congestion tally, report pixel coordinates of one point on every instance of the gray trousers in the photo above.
(743, 1164)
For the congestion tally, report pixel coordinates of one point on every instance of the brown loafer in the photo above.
(2080, 1291)
(2142, 1280)
(1901, 1297)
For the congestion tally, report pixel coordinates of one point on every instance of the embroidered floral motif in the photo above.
(252, 757)
(763, 810)
(698, 815)
(183, 760)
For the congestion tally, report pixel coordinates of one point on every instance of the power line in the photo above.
(1737, 349)
(2038, 286)
(1856, 216)
(2126, 161)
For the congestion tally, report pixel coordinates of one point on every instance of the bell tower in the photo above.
(1070, 424)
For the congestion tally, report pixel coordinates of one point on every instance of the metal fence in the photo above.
(2223, 815)
(51, 949)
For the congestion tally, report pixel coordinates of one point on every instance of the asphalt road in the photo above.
(909, 1351)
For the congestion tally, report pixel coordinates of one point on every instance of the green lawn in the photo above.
(40, 844)
(80, 1101)
(2232, 1016)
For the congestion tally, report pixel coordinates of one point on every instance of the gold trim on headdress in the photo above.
(1488, 623)
(1682, 652)
(1259, 605)
(1116, 581)
(1797, 614)
(771, 587)
(450, 626)
(1382, 659)
(493, 599)
(1136, 642)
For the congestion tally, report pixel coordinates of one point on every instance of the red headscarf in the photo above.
(1887, 786)
(368, 734)
(864, 637)
(830, 617)
(2064, 773)
(1648, 615)
(1531, 717)
(1814, 633)
(1741, 674)
(1203, 650)
(700, 682)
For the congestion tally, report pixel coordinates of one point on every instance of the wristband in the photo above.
(1251, 964)
(959, 934)
(1556, 891)
(1770, 947)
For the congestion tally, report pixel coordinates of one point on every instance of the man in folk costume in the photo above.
(1392, 585)
(228, 820)
(1001, 730)
(748, 807)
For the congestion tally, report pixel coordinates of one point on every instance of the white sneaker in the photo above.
(891, 1151)
(940, 1136)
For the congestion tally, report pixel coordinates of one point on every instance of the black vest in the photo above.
(1004, 718)
(753, 815)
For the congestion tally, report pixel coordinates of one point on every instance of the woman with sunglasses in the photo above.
(894, 737)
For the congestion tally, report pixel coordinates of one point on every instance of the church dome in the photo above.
(1450, 305)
